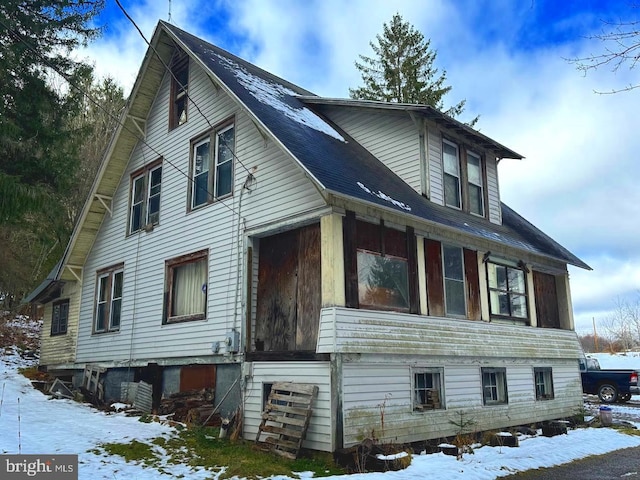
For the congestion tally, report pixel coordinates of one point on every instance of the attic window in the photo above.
(179, 91)
(464, 179)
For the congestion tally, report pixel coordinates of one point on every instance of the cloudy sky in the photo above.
(507, 58)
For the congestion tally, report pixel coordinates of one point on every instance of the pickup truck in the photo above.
(610, 385)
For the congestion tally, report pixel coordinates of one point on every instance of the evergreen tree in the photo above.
(37, 147)
(403, 70)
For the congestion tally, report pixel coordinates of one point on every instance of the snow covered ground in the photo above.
(31, 422)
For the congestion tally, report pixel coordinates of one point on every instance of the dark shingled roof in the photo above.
(342, 166)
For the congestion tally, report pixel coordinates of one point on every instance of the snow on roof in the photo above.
(274, 95)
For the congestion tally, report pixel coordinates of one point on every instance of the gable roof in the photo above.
(336, 163)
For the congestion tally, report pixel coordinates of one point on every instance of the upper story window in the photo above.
(108, 304)
(144, 204)
(186, 281)
(179, 90)
(60, 317)
(454, 289)
(507, 291)
(212, 166)
(464, 179)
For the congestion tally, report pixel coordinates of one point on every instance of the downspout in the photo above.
(423, 135)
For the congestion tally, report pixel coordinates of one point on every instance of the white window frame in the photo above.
(480, 185)
(457, 175)
(543, 382)
(416, 392)
(495, 391)
(109, 300)
(145, 176)
(213, 165)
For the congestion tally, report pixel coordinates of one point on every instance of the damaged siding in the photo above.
(61, 349)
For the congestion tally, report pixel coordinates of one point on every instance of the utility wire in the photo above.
(120, 122)
(173, 76)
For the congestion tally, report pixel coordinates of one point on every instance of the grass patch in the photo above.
(201, 447)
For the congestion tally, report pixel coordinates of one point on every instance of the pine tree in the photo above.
(403, 70)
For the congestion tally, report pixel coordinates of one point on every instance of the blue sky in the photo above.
(507, 58)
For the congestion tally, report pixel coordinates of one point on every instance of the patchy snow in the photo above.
(31, 422)
(384, 196)
(274, 94)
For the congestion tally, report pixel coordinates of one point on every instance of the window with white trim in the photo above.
(475, 183)
(463, 179)
(146, 185)
(186, 284)
(427, 389)
(451, 163)
(109, 287)
(543, 377)
(212, 166)
(507, 291)
(494, 386)
(454, 289)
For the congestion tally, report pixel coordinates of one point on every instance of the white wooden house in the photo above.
(242, 231)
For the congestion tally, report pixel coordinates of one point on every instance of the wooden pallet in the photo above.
(286, 416)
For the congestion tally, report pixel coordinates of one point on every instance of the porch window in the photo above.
(144, 210)
(544, 383)
(60, 317)
(453, 268)
(186, 287)
(108, 299)
(494, 386)
(212, 166)
(507, 291)
(179, 90)
(383, 281)
(427, 389)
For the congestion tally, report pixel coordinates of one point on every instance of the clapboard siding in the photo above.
(493, 191)
(282, 192)
(391, 138)
(380, 405)
(319, 434)
(345, 330)
(61, 349)
(434, 154)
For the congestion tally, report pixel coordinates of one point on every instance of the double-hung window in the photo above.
(427, 389)
(464, 179)
(60, 317)
(179, 90)
(146, 185)
(212, 166)
(454, 290)
(494, 386)
(507, 291)
(186, 283)
(543, 377)
(108, 304)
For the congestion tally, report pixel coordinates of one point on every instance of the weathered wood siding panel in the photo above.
(391, 138)
(377, 396)
(61, 349)
(493, 189)
(345, 330)
(319, 436)
(282, 191)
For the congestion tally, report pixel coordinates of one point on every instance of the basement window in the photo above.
(427, 389)
(544, 383)
(494, 386)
